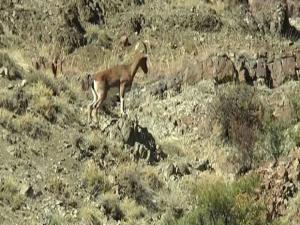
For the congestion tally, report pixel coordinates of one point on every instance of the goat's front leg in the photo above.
(122, 94)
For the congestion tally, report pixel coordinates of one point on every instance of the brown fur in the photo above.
(118, 76)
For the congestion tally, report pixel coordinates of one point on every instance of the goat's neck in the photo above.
(134, 67)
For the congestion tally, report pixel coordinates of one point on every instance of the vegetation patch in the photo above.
(227, 203)
(91, 215)
(10, 194)
(94, 179)
(237, 110)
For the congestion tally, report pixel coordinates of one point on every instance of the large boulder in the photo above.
(224, 70)
(220, 68)
(134, 137)
(283, 69)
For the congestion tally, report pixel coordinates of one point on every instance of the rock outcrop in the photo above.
(264, 69)
(279, 184)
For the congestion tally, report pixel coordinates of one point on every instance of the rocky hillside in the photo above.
(210, 135)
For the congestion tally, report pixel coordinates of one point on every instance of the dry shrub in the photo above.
(31, 125)
(94, 178)
(10, 193)
(111, 208)
(132, 186)
(91, 215)
(14, 71)
(238, 112)
(5, 117)
(132, 210)
(57, 186)
(28, 124)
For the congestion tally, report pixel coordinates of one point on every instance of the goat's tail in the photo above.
(87, 82)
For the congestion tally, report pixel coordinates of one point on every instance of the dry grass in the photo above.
(132, 210)
(91, 215)
(5, 117)
(94, 178)
(57, 186)
(31, 125)
(10, 193)
(56, 219)
(27, 123)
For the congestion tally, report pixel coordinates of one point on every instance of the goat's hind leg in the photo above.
(92, 105)
(101, 92)
(99, 102)
(122, 94)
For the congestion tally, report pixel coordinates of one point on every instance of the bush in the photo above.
(94, 178)
(15, 71)
(223, 204)
(5, 118)
(55, 219)
(132, 186)
(91, 215)
(10, 194)
(111, 208)
(31, 125)
(237, 111)
(54, 101)
(57, 186)
(294, 98)
(277, 139)
(132, 210)
(27, 124)
(16, 102)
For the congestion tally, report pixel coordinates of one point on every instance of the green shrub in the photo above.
(277, 139)
(220, 203)
(294, 95)
(273, 139)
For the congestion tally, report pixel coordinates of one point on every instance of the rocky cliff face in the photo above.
(220, 103)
